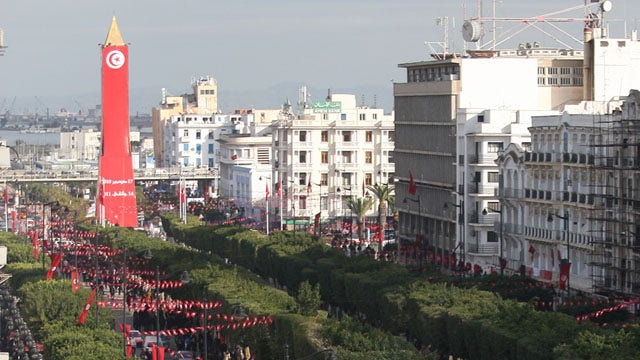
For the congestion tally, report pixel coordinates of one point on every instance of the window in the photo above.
(390, 157)
(363, 117)
(324, 179)
(493, 176)
(375, 116)
(565, 71)
(368, 157)
(185, 132)
(552, 81)
(346, 179)
(185, 147)
(391, 136)
(324, 136)
(324, 157)
(185, 161)
(480, 118)
(198, 135)
(302, 179)
(210, 149)
(577, 71)
(368, 136)
(198, 148)
(577, 81)
(343, 116)
(541, 81)
(492, 236)
(210, 134)
(494, 147)
(368, 179)
(346, 136)
(552, 71)
(303, 157)
(210, 162)
(347, 157)
(302, 203)
(540, 70)
(565, 81)
(303, 136)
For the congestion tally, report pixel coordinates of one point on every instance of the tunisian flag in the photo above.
(75, 280)
(85, 311)
(54, 265)
(34, 244)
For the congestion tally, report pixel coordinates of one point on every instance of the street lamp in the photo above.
(419, 232)
(501, 260)
(52, 205)
(565, 222)
(267, 199)
(460, 206)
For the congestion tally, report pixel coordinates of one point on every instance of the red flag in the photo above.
(412, 185)
(363, 189)
(54, 265)
(532, 251)
(267, 192)
(234, 157)
(154, 352)
(309, 186)
(280, 188)
(564, 274)
(75, 280)
(34, 245)
(316, 221)
(85, 311)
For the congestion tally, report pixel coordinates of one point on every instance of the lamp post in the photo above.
(485, 212)
(461, 223)
(44, 226)
(267, 199)
(419, 231)
(565, 222)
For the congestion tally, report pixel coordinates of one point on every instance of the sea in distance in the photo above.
(45, 138)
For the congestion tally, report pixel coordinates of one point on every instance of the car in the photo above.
(183, 354)
(135, 338)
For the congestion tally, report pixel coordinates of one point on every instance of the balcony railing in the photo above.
(483, 249)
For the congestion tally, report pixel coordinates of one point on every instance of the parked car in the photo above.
(135, 338)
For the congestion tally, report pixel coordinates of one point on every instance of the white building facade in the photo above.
(332, 150)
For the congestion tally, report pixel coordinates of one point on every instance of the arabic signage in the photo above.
(327, 107)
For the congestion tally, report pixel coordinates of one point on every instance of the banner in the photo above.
(55, 261)
(565, 267)
(85, 311)
(75, 280)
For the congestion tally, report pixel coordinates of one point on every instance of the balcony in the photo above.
(483, 249)
(482, 159)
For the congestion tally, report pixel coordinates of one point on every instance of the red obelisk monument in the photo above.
(116, 200)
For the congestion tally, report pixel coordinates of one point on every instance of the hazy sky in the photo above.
(247, 45)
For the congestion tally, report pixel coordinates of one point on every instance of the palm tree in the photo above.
(386, 198)
(359, 207)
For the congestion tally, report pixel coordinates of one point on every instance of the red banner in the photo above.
(34, 245)
(85, 311)
(412, 185)
(75, 280)
(55, 261)
(564, 274)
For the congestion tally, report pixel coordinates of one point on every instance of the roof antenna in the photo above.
(329, 94)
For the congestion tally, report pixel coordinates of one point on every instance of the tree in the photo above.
(309, 298)
(359, 207)
(384, 196)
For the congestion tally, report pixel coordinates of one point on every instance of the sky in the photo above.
(259, 51)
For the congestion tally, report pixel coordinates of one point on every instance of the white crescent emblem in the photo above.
(115, 59)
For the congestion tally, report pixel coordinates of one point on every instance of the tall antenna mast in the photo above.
(2, 47)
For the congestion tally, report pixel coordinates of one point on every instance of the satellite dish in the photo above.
(606, 6)
(471, 31)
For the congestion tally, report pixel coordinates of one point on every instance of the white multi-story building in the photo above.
(85, 145)
(482, 137)
(332, 150)
(203, 101)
